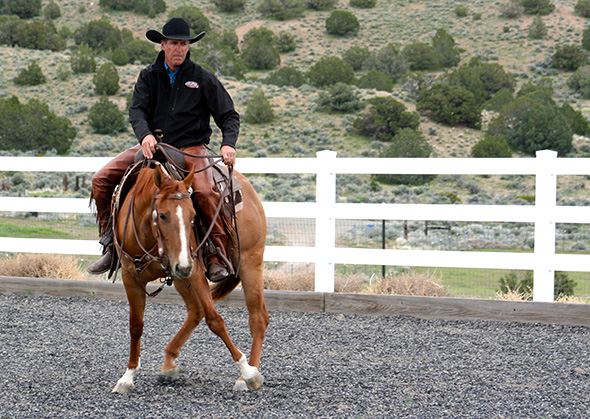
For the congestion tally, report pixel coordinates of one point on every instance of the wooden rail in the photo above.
(320, 302)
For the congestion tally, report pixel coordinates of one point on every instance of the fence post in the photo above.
(545, 203)
(325, 223)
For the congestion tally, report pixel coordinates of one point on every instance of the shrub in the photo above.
(339, 97)
(259, 109)
(355, 56)
(106, 118)
(37, 35)
(533, 122)
(260, 33)
(82, 60)
(491, 146)
(33, 127)
(461, 11)
(580, 81)
(106, 80)
(482, 80)
(51, 11)
(23, 9)
(586, 39)
(196, 20)
(363, 4)
(444, 46)
(450, 105)
(389, 61)
(576, 121)
(286, 76)
(99, 35)
(216, 53)
(320, 4)
(582, 8)
(230, 6)
(8, 26)
(522, 283)
(569, 57)
(259, 54)
(500, 99)
(63, 72)
(342, 23)
(538, 29)
(30, 76)
(280, 9)
(420, 56)
(330, 70)
(384, 118)
(376, 80)
(120, 57)
(511, 10)
(141, 51)
(406, 143)
(536, 7)
(285, 42)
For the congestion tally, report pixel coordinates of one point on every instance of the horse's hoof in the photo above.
(170, 375)
(240, 385)
(255, 382)
(122, 388)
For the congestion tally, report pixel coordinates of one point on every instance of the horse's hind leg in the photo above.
(136, 298)
(194, 315)
(258, 315)
(216, 324)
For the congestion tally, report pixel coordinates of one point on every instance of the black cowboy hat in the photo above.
(176, 28)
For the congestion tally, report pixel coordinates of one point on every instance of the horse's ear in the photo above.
(188, 180)
(159, 176)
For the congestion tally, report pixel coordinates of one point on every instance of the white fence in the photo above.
(544, 214)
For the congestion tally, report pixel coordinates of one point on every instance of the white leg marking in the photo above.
(183, 257)
(250, 375)
(248, 371)
(125, 383)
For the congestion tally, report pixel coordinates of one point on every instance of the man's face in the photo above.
(175, 51)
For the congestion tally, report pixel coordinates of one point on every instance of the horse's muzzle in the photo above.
(182, 271)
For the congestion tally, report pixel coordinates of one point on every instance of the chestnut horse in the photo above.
(155, 239)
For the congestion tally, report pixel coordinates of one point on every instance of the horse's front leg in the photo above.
(136, 297)
(194, 315)
(215, 322)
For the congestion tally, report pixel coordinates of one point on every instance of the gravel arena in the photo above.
(61, 356)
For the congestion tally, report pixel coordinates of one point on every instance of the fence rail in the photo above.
(325, 210)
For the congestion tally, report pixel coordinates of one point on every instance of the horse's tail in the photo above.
(221, 289)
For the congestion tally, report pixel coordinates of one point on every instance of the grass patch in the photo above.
(41, 266)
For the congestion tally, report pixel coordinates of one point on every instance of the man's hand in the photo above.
(148, 145)
(228, 154)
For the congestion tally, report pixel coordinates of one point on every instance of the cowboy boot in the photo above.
(218, 265)
(103, 264)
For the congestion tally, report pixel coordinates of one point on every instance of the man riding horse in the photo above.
(178, 97)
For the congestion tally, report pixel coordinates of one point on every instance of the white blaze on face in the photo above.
(183, 257)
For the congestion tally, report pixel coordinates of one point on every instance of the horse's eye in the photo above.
(162, 217)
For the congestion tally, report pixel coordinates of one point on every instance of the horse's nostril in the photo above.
(182, 271)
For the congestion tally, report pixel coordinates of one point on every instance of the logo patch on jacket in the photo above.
(192, 84)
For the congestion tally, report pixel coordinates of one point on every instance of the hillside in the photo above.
(299, 129)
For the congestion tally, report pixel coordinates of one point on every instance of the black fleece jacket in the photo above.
(182, 111)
